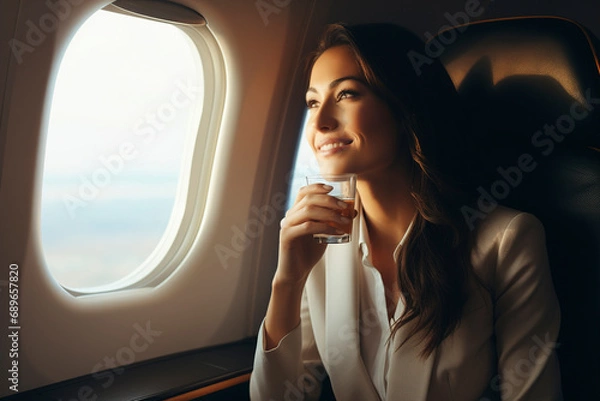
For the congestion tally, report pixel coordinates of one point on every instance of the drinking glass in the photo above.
(344, 188)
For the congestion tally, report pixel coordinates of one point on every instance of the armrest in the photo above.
(156, 379)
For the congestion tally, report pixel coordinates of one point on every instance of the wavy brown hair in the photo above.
(434, 265)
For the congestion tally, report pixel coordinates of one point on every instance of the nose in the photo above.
(325, 119)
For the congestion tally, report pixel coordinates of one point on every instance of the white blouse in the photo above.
(376, 350)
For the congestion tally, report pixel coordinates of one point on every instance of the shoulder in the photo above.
(504, 237)
(504, 224)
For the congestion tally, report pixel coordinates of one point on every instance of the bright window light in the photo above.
(305, 165)
(125, 112)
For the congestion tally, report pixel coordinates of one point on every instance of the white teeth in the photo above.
(332, 145)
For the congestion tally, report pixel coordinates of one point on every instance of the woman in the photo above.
(417, 306)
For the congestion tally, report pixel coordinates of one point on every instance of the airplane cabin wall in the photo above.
(203, 303)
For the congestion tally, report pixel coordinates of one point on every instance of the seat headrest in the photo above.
(531, 88)
(534, 71)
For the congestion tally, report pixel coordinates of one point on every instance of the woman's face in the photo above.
(350, 129)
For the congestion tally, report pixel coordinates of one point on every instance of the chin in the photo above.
(334, 170)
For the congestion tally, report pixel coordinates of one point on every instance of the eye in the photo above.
(346, 94)
(311, 103)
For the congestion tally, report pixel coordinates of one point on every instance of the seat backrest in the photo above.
(532, 90)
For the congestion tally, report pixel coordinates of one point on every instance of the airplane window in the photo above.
(305, 165)
(126, 107)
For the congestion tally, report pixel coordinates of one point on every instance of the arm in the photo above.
(527, 314)
(292, 368)
(286, 362)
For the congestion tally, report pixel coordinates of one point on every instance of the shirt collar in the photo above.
(364, 241)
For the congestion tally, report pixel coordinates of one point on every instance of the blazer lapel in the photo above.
(349, 377)
(409, 374)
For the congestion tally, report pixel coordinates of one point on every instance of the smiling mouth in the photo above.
(334, 145)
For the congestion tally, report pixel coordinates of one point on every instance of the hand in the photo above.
(314, 212)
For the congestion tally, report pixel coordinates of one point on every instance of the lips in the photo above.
(333, 145)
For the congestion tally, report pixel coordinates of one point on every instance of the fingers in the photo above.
(316, 194)
(309, 228)
(312, 189)
(318, 208)
(316, 212)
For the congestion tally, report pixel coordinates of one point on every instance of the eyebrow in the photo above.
(338, 81)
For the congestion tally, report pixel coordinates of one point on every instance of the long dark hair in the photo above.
(434, 265)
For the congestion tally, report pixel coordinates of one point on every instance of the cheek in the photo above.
(382, 129)
(375, 115)
(309, 136)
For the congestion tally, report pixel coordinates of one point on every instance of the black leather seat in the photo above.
(532, 90)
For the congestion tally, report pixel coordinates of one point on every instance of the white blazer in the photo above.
(502, 349)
